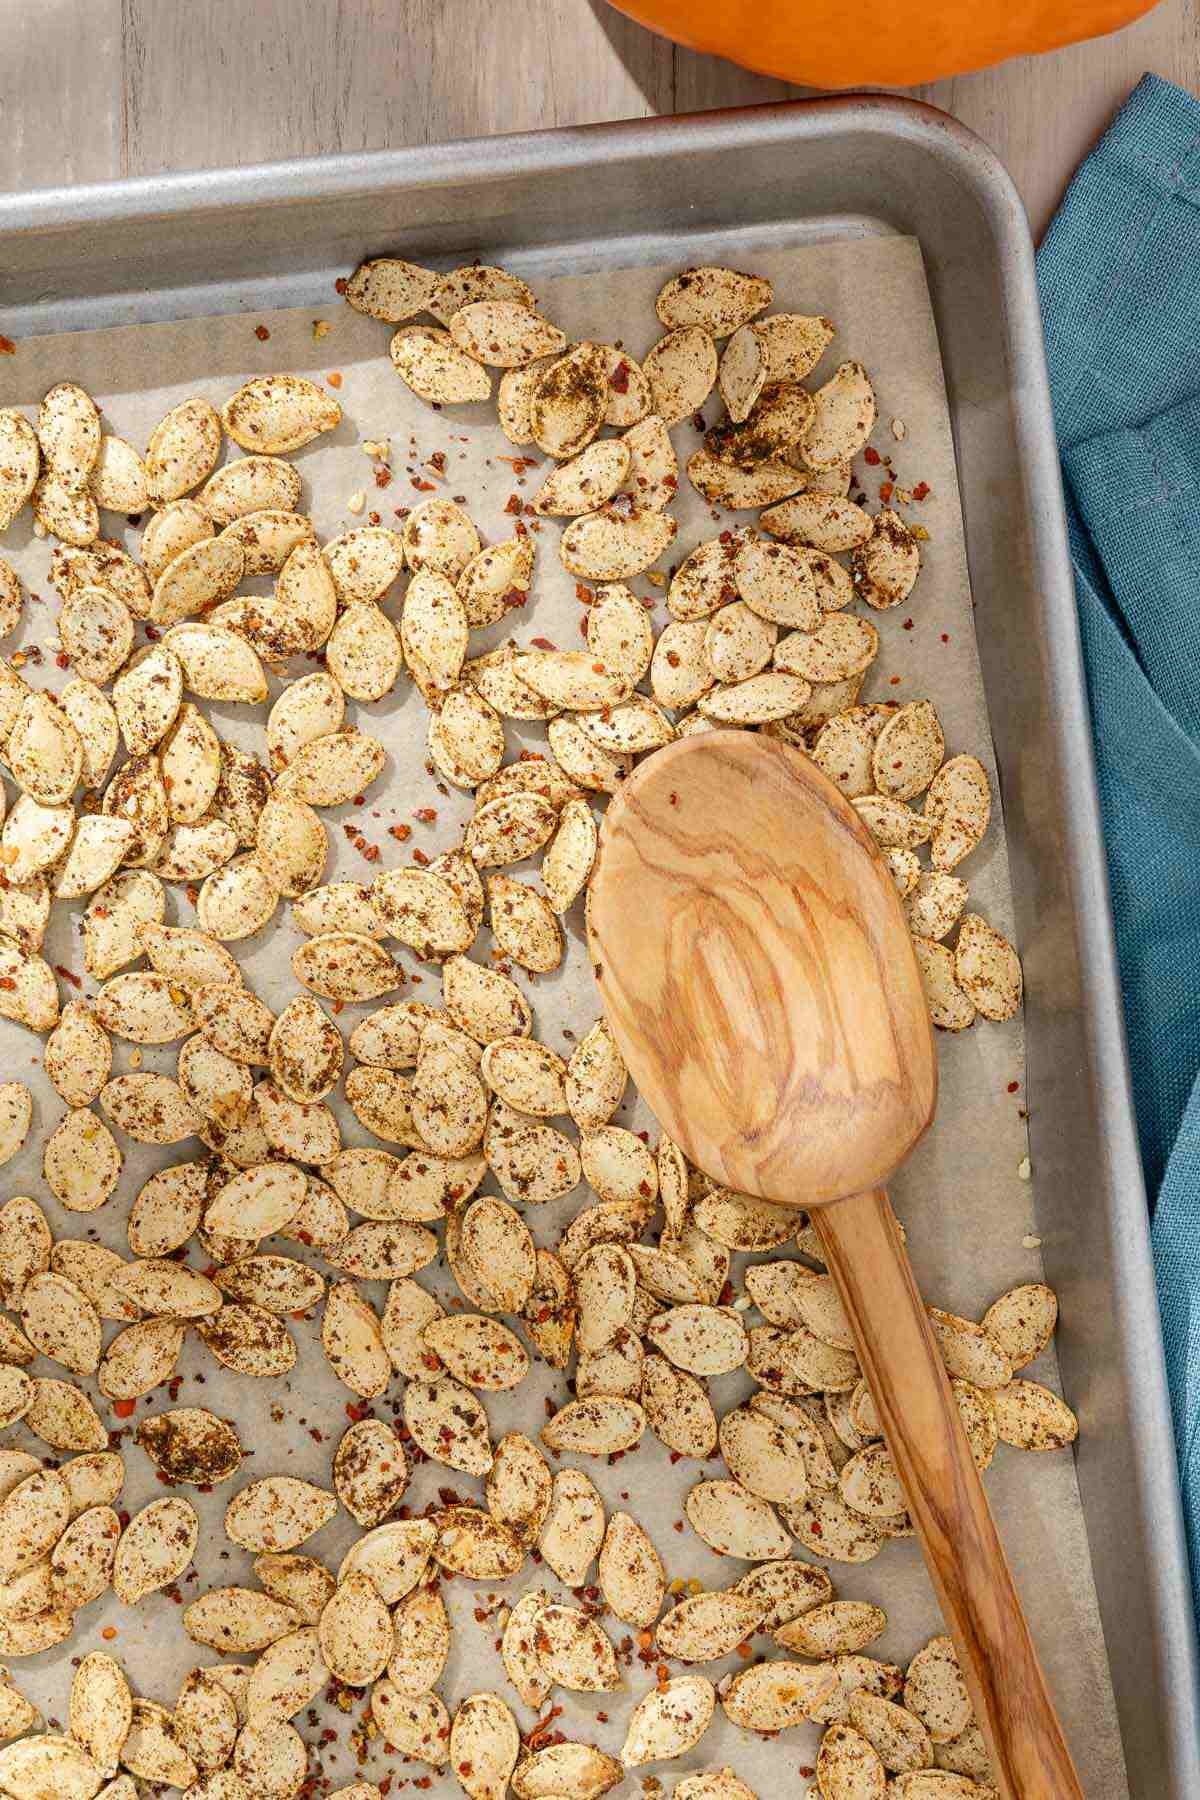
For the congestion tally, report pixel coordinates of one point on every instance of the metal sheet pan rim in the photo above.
(487, 159)
(55, 213)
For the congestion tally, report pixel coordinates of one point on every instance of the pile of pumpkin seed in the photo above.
(638, 1293)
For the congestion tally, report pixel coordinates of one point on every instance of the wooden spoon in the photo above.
(756, 969)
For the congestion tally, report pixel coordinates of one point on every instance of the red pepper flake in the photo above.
(419, 856)
(871, 456)
(618, 381)
(261, 333)
(540, 1730)
(423, 487)
(921, 491)
(514, 504)
(426, 814)
(401, 833)
(153, 634)
(894, 681)
(1013, 1087)
(68, 975)
(383, 475)
(124, 1408)
(7, 347)
(62, 660)
(542, 643)
(334, 378)
(908, 625)
(945, 637)
(886, 490)
(340, 285)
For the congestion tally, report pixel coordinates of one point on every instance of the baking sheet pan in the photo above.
(691, 189)
(962, 1197)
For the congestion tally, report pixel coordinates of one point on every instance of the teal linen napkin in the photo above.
(1119, 274)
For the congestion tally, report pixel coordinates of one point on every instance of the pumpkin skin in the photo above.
(820, 43)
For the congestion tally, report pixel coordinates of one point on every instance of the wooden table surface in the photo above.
(94, 89)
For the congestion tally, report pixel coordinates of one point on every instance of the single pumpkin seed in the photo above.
(364, 652)
(274, 414)
(191, 1444)
(412, 1725)
(355, 1632)
(886, 564)
(616, 542)
(429, 362)
(668, 1721)
(470, 1542)
(681, 369)
(155, 1548)
(353, 1343)
(20, 459)
(504, 334)
(819, 521)
(150, 1108)
(704, 1627)
(597, 1427)
(95, 628)
(1031, 1417)
(568, 401)
(139, 1358)
(387, 288)
(586, 481)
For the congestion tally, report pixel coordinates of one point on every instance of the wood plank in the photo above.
(230, 82)
(60, 94)
(702, 82)
(1043, 114)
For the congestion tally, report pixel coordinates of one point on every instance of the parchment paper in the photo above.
(970, 1214)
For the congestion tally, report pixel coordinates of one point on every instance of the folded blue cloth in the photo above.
(1119, 273)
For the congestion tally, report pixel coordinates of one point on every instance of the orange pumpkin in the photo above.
(823, 43)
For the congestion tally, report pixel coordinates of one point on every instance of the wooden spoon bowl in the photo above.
(754, 962)
(756, 969)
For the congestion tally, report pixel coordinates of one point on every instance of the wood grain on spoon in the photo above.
(753, 959)
(755, 965)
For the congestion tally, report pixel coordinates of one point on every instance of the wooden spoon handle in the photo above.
(958, 1537)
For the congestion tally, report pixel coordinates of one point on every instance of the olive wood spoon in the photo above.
(756, 970)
